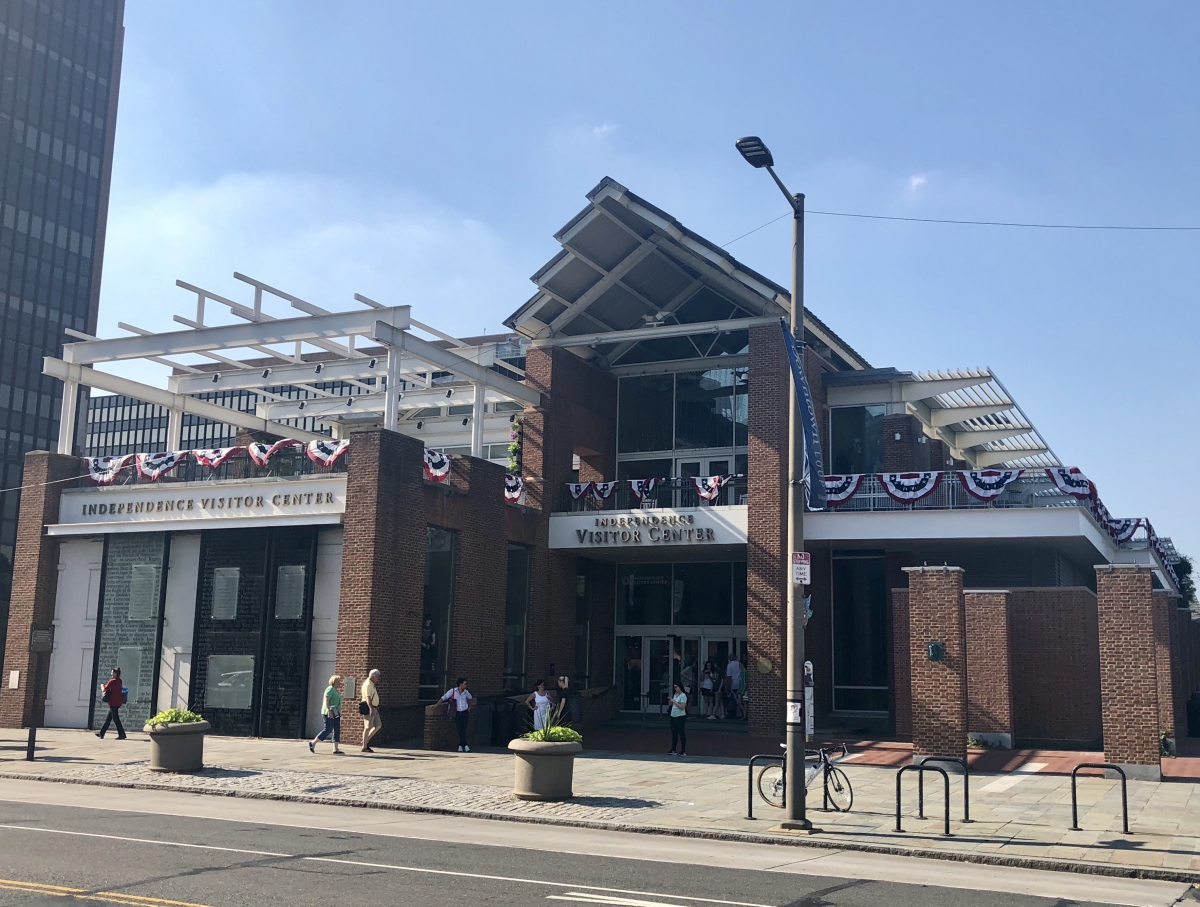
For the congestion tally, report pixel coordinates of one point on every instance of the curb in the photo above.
(817, 841)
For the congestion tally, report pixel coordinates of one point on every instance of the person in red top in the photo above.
(114, 698)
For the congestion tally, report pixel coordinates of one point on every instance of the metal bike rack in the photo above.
(920, 770)
(1124, 794)
(750, 780)
(966, 785)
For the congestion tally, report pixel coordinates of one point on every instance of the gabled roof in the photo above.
(626, 264)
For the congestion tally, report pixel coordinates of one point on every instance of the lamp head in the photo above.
(755, 152)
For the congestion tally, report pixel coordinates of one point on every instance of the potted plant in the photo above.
(545, 761)
(177, 741)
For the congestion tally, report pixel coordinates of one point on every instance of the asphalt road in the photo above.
(53, 854)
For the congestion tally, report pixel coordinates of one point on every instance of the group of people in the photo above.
(723, 695)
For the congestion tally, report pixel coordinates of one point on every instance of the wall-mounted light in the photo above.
(319, 368)
(466, 420)
(371, 364)
(216, 377)
(896, 437)
(349, 401)
(302, 404)
(266, 372)
(512, 418)
(450, 393)
(420, 425)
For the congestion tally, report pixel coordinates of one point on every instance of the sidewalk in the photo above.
(1021, 818)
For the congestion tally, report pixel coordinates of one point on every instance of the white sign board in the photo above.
(801, 568)
(795, 713)
(657, 528)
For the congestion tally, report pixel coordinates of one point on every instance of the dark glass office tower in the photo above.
(61, 63)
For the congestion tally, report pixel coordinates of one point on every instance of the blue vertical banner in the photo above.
(814, 471)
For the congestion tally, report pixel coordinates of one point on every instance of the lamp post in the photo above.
(795, 817)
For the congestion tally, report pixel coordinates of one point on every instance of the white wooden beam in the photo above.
(656, 333)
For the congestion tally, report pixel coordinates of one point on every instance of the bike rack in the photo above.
(966, 784)
(1124, 794)
(750, 780)
(920, 770)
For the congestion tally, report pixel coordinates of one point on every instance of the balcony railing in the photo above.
(1034, 489)
(672, 493)
(285, 463)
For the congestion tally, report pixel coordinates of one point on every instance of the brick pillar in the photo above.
(1128, 669)
(766, 536)
(901, 665)
(1179, 668)
(382, 595)
(989, 668)
(34, 583)
(899, 454)
(1164, 604)
(937, 612)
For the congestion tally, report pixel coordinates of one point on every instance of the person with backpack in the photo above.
(368, 707)
(113, 695)
(459, 709)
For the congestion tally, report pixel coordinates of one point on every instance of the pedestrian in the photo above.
(460, 698)
(564, 699)
(368, 707)
(113, 695)
(539, 703)
(708, 691)
(733, 677)
(331, 711)
(741, 696)
(679, 704)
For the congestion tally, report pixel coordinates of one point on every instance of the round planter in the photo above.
(543, 771)
(177, 747)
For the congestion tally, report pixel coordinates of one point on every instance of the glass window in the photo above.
(704, 408)
(435, 627)
(702, 594)
(855, 439)
(644, 594)
(644, 413)
(516, 609)
(739, 594)
(629, 671)
(860, 648)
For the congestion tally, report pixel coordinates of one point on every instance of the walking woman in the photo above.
(331, 711)
(113, 696)
(539, 703)
(679, 704)
(460, 698)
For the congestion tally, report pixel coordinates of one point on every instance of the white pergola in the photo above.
(318, 346)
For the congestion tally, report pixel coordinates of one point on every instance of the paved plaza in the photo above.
(1021, 818)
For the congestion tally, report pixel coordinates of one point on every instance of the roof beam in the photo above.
(115, 384)
(656, 333)
(374, 403)
(607, 279)
(988, 458)
(940, 418)
(964, 440)
(926, 390)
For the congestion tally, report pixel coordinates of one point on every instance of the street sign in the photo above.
(801, 568)
(795, 712)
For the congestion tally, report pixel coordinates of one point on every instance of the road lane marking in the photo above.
(1019, 774)
(112, 897)
(581, 897)
(108, 837)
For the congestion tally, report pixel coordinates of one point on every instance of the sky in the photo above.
(425, 154)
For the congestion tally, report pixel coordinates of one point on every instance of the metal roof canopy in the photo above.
(403, 360)
(627, 267)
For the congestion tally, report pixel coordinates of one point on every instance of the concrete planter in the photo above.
(543, 771)
(177, 747)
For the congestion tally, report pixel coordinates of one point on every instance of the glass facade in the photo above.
(439, 599)
(860, 644)
(855, 440)
(516, 614)
(686, 594)
(702, 410)
(57, 103)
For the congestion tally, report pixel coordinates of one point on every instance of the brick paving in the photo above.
(1021, 817)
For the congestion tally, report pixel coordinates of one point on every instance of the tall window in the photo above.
(439, 597)
(684, 411)
(860, 647)
(855, 439)
(516, 612)
(712, 594)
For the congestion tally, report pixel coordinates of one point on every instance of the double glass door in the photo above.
(680, 659)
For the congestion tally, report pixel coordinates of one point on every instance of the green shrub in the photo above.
(175, 716)
(554, 730)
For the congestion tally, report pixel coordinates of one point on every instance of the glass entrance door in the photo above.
(660, 670)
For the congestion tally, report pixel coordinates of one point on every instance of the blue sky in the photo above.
(424, 154)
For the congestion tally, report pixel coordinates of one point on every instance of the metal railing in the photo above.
(1034, 489)
(921, 770)
(671, 493)
(1124, 793)
(285, 463)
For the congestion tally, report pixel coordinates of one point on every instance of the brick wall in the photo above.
(989, 668)
(939, 688)
(1164, 606)
(1128, 665)
(901, 666)
(1053, 638)
(899, 454)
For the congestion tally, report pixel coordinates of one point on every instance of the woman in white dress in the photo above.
(539, 703)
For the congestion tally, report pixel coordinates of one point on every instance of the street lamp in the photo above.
(795, 819)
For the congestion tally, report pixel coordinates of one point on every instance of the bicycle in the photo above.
(772, 779)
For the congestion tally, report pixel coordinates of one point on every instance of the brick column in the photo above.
(901, 665)
(1178, 669)
(1164, 605)
(937, 612)
(989, 668)
(1128, 669)
(382, 594)
(34, 583)
(899, 454)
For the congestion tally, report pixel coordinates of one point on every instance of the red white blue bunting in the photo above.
(1069, 480)
(840, 489)
(212, 457)
(437, 465)
(907, 487)
(104, 470)
(579, 489)
(152, 467)
(988, 484)
(261, 453)
(1124, 530)
(644, 489)
(707, 487)
(326, 453)
(602, 491)
(514, 488)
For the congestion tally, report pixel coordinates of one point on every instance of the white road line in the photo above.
(1012, 780)
(581, 897)
(110, 837)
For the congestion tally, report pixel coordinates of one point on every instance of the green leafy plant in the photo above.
(554, 730)
(174, 716)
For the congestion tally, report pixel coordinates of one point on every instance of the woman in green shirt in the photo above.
(331, 710)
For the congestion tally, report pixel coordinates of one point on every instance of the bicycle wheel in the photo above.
(771, 785)
(838, 790)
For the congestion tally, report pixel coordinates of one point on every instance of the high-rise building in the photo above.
(61, 64)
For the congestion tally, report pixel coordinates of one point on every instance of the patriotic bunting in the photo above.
(907, 487)
(644, 489)
(154, 466)
(514, 488)
(326, 453)
(840, 489)
(1123, 530)
(437, 465)
(212, 457)
(988, 484)
(104, 470)
(262, 453)
(579, 489)
(1069, 480)
(602, 491)
(707, 487)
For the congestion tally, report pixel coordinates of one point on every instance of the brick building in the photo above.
(963, 581)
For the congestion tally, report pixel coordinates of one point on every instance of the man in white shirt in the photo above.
(461, 698)
(733, 677)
